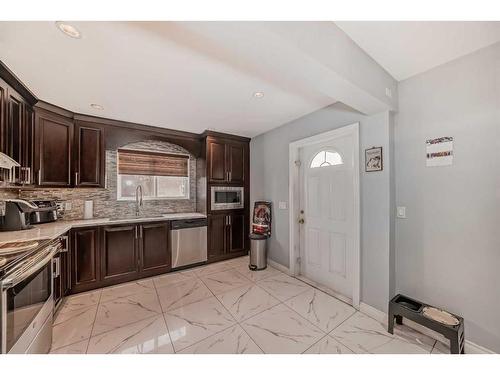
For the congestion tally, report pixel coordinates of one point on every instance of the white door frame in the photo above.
(294, 197)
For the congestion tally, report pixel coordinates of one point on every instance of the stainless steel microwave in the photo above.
(227, 197)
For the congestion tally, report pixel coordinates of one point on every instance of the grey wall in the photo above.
(269, 180)
(448, 249)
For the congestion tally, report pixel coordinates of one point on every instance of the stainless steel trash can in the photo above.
(258, 252)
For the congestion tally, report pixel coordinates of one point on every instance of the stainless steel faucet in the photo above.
(138, 200)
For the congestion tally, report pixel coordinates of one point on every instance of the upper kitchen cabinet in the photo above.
(227, 160)
(89, 155)
(16, 131)
(216, 157)
(53, 149)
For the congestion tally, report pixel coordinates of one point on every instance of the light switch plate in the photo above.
(67, 206)
(401, 212)
(282, 205)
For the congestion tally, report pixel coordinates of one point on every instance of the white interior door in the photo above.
(327, 213)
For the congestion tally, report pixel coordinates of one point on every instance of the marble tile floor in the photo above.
(223, 308)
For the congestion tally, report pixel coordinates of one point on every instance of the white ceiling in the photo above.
(194, 76)
(185, 76)
(406, 48)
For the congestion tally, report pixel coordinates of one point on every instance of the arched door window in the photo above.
(326, 159)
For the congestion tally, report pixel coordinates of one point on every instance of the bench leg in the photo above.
(454, 346)
(399, 319)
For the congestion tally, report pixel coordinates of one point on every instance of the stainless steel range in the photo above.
(26, 290)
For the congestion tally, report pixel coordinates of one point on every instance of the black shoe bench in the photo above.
(405, 307)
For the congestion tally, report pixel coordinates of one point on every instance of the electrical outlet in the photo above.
(67, 206)
(401, 212)
(388, 92)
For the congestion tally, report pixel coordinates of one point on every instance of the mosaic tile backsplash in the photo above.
(105, 203)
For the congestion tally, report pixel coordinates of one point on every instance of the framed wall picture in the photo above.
(373, 159)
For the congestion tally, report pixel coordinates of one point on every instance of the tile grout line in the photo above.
(309, 347)
(93, 323)
(433, 346)
(237, 323)
(79, 308)
(114, 300)
(164, 319)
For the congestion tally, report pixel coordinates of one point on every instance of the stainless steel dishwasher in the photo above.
(188, 241)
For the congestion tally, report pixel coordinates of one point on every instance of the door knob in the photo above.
(301, 221)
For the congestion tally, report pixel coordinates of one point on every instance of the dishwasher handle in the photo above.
(188, 223)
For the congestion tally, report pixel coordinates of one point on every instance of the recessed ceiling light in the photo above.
(69, 30)
(97, 106)
(258, 94)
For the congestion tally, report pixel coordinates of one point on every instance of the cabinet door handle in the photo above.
(141, 231)
(39, 177)
(57, 266)
(135, 232)
(229, 220)
(230, 176)
(76, 178)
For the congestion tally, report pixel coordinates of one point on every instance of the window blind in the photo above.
(147, 163)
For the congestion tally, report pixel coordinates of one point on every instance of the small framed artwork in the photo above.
(373, 159)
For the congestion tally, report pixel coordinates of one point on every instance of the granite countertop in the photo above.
(52, 230)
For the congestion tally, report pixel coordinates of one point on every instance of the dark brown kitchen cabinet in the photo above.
(16, 131)
(112, 254)
(89, 155)
(53, 149)
(60, 277)
(57, 290)
(217, 236)
(3, 119)
(227, 235)
(119, 255)
(27, 145)
(85, 259)
(226, 161)
(217, 168)
(237, 233)
(14, 125)
(153, 248)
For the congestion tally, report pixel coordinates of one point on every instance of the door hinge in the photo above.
(298, 163)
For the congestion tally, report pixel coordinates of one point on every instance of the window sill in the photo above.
(149, 199)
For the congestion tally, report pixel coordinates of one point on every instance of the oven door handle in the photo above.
(18, 277)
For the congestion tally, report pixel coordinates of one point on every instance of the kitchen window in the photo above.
(161, 175)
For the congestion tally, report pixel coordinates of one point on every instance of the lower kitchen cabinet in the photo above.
(85, 259)
(217, 236)
(119, 255)
(153, 247)
(237, 233)
(61, 277)
(108, 255)
(227, 235)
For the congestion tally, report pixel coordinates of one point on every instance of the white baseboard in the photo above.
(278, 266)
(373, 312)
(470, 347)
(325, 289)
